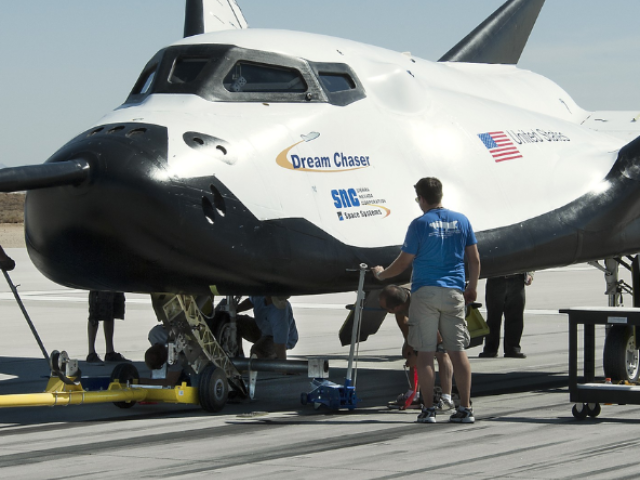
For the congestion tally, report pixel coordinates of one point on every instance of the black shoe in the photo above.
(94, 359)
(488, 354)
(115, 357)
(515, 355)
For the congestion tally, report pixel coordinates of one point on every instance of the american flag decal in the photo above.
(499, 146)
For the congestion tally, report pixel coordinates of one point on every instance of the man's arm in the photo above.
(401, 319)
(399, 265)
(473, 263)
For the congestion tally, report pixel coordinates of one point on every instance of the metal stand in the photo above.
(26, 316)
(333, 395)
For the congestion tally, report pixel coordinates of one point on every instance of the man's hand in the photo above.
(406, 350)
(377, 270)
(470, 295)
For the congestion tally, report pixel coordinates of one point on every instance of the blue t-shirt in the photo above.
(275, 322)
(438, 240)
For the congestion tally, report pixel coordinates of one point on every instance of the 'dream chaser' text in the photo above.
(339, 160)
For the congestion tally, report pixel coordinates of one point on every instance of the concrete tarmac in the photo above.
(524, 427)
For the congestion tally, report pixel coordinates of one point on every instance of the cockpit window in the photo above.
(252, 77)
(186, 70)
(339, 82)
(227, 73)
(144, 82)
(336, 82)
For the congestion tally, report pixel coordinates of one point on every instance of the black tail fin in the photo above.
(202, 16)
(501, 37)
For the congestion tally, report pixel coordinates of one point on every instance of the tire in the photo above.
(620, 358)
(579, 411)
(125, 372)
(213, 389)
(593, 409)
(222, 331)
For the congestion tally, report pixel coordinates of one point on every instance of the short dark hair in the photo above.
(429, 188)
(393, 296)
(156, 356)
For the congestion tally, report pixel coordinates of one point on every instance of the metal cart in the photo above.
(585, 391)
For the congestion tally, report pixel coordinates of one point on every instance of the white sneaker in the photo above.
(463, 415)
(428, 415)
(445, 405)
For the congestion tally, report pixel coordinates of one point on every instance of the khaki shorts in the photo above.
(433, 309)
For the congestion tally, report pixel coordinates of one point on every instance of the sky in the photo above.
(68, 62)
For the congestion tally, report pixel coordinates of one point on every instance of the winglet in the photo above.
(501, 38)
(203, 16)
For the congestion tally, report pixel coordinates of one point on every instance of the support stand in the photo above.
(333, 395)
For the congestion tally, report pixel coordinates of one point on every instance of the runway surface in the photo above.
(524, 427)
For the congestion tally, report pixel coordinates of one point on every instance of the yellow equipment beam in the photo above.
(61, 394)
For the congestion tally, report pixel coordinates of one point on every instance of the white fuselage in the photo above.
(350, 170)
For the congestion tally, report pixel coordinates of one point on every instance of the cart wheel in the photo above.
(125, 372)
(579, 411)
(213, 389)
(304, 399)
(593, 409)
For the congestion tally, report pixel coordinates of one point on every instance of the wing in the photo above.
(203, 16)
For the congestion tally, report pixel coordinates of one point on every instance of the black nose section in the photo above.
(94, 234)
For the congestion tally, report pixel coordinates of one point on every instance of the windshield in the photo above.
(225, 73)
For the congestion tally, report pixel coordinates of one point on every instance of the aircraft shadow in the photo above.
(274, 392)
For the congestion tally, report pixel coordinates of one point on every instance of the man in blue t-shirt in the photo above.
(436, 244)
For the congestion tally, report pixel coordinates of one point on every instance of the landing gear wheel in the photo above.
(579, 411)
(620, 358)
(213, 389)
(593, 409)
(223, 334)
(125, 372)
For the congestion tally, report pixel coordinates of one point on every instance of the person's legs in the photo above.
(445, 372)
(423, 337)
(462, 372)
(92, 332)
(264, 348)
(495, 293)
(108, 326)
(248, 328)
(111, 355)
(514, 314)
(426, 377)
(455, 338)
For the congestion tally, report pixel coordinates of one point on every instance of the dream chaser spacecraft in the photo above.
(253, 161)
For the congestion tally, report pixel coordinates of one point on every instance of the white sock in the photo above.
(447, 397)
